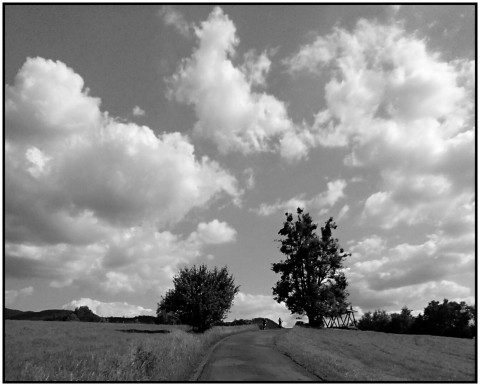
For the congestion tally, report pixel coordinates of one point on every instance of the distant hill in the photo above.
(66, 315)
(8, 313)
(40, 315)
(270, 323)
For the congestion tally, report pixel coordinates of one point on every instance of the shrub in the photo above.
(378, 321)
(200, 298)
(84, 314)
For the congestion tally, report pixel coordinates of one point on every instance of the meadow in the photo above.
(77, 351)
(362, 356)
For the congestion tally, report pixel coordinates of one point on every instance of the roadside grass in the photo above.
(362, 356)
(96, 352)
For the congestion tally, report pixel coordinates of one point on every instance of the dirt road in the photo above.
(251, 357)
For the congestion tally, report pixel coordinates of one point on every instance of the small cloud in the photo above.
(249, 178)
(343, 212)
(318, 203)
(290, 205)
(214, 232)
(11, 296)
(256, 67)
(173, 17)
(392, 10)
(138, 112)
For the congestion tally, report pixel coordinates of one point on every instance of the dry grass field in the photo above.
(362, 356)
(95, 352)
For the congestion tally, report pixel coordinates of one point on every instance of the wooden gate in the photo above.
(343, 320)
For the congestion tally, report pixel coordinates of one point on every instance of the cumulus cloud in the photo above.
(105, 309)
(229, 111)
(173, 17)
(380, 74)
(138, 111)
(214, 232)
(407, 116)
(81, 188)
(323, 200)
(11, 296)
(407, 274)
(121, 172)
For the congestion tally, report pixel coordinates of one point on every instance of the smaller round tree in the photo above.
(200, 297)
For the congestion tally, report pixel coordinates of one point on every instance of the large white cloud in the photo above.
(228, 110)
(123, 173)
(380, 75)
(402, 111)
(383, 276)
(86, 194)
(406, 117)
(106, 309)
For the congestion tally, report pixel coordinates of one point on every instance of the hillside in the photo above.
(368, 356)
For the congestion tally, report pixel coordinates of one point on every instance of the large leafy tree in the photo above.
(200, 297)
(448, 318)
(312, 282)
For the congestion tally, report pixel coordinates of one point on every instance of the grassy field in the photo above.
(348, 355)
(76, 351)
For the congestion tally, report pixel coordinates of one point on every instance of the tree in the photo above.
(402, 322)
(378, 321)
(449, 319)
(312, 282)
(84, 314)
(200, 297)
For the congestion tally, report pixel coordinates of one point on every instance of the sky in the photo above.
(140, 139)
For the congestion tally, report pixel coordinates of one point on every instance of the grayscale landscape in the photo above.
(239, 192)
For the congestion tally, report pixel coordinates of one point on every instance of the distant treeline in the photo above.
(445, 319)
(84, 314)
(81, 314)
(270, 324)
(236, 322)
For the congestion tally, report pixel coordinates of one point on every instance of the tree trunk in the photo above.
(315, 320)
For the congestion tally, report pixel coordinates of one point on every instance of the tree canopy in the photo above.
(200, 297)
(447, 318)
(312, 282)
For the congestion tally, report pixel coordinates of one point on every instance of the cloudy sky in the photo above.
(142, 139)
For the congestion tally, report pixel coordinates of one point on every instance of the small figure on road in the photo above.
(280, 322)
(264, 324)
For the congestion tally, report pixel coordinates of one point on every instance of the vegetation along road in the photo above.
(251, 357)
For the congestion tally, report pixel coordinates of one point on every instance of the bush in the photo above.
(378, 321)
(71, 318)
(200, 298)
(84, 314)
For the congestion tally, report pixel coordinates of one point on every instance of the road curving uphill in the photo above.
(251, 357)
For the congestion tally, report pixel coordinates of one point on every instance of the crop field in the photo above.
(362, 356)
(76, 351)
